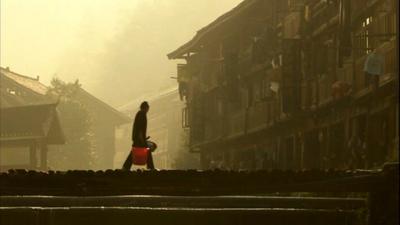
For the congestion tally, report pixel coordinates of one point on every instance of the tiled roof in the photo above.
(119, 117)
(28, 82)
(151, 97)
(30, 123)
(34, 85)
(217, 24)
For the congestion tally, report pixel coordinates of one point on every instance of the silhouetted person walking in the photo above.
(139, 137)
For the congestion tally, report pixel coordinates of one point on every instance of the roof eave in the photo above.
(204, 32)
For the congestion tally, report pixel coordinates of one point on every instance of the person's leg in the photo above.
(366, 79)
(150, 164)
(128, 162)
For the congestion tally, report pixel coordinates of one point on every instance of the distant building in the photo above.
(105, 121)
(29, 122)
(19, 90)
(29, 127)
(165, 128)
(294, 85)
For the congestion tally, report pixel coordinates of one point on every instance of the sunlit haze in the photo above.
(116, 48)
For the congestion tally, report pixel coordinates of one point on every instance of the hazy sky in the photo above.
(117, 48)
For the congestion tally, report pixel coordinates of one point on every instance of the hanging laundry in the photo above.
(274, 86)
(374, 64)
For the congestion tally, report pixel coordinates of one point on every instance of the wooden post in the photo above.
(397, 133)
(383, 205)
(32, 156)
(397, 79)
(353, 66)
(43, 156)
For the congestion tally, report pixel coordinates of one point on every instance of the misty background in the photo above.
(116, 48)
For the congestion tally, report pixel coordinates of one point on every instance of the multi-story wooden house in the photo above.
(287, 84)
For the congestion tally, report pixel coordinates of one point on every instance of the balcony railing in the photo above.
(213, 129)
(257, 116)
(388, 51)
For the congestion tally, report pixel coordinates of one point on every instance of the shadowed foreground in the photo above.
(195, 197)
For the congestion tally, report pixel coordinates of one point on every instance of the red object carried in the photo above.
(139, 156)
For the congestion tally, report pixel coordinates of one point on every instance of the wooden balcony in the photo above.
(257, 116)
(236, 124)
(388, 51)
(213, 129)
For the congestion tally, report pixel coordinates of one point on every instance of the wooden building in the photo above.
(32, 127)
(288, 84)
(29, 122)
(19, 90)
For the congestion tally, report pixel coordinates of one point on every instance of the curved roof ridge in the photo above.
(28, 82)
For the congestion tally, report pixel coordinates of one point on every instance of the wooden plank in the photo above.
(172, 216)
(187, 202)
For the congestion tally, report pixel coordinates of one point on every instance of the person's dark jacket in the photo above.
(139, 130)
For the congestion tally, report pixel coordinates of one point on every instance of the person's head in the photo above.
(144, 106)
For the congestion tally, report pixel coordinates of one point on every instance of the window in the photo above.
(363, 41)
(266, 89)
(185, 118)
(11, 91)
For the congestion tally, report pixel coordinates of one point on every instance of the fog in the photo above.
(278, 84)
(213, 111)
(116, 48)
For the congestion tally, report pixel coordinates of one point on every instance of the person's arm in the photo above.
(141, 137)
